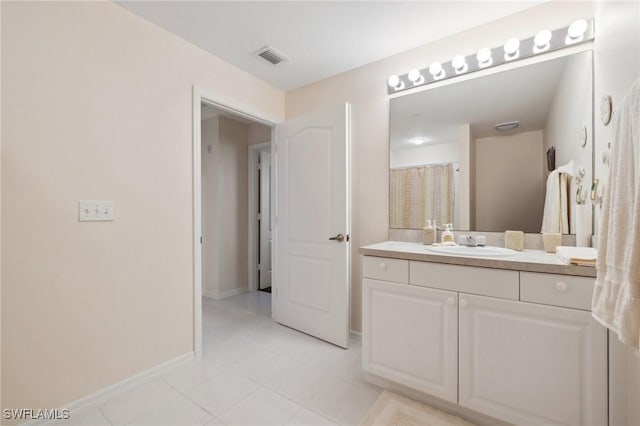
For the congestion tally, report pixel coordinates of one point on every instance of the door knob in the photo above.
(339, 238)
(463, 303)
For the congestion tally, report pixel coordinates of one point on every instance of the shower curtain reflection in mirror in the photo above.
(421, 193)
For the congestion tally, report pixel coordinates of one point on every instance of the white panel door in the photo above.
(265, 219)
(312, 275)
(532, 364)
(410, 336)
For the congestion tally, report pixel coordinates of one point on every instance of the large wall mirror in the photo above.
(450, 161)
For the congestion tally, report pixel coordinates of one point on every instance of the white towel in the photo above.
(556, 209)
(583, 256)
(616, 296)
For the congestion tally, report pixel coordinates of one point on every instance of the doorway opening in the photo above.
(226, 229)
(260, 231)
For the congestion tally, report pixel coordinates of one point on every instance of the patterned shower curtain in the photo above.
(421, 193)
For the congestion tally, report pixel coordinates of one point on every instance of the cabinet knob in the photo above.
(463, 303)
(382, 266)
(450, 301)
(560, 286)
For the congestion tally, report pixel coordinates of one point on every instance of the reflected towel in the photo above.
(616, 296)
(556, 207)
(582, 256)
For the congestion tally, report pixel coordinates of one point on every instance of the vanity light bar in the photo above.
(581, 31)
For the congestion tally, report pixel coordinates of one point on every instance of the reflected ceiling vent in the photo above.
(271, 55)
(509, 125)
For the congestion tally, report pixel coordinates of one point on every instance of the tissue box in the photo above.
(514, 240)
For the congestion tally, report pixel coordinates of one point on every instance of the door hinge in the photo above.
(200, 239)
(259, 216)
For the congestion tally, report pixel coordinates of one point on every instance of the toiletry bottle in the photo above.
(428, 234)
(447, 235)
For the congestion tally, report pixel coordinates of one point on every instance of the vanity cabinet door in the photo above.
(410, 336)
(532, 364)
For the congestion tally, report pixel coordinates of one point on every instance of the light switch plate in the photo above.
(94, 211)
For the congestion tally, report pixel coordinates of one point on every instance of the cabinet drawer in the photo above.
(556, 290)
(385, 269)
(466, 279)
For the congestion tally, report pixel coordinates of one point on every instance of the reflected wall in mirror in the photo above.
(449, 162)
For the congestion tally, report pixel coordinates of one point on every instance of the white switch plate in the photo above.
(92, 210)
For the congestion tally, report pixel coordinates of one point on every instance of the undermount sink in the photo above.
(472, 251)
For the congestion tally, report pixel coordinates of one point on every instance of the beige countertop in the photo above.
(527, 260)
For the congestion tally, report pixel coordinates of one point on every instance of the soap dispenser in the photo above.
(428, 233)
(447, 235)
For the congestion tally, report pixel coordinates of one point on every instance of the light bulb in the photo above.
(415, 76)
(541, 41)
(459, 64)
(394, 82)
(511, 49)
(577, 29)
(436, 70)
(484, 57)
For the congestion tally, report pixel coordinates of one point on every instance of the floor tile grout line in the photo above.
(103, 415)
(238, 402)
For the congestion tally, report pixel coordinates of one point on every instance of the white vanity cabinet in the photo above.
(532, 364)
(487, 339)
(412, 336)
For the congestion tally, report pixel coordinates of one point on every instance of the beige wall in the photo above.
(509, 182)
(366, 90)
(210, 212)
(259, 133)
(233, 199)
(97, 104)
(617, 66)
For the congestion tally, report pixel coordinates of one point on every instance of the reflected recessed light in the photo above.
(419, 141)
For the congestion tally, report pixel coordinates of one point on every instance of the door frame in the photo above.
(254, 153)
(201, 95)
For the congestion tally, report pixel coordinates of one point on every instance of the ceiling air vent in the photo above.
(271, 55)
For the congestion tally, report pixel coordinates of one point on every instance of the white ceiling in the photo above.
(523, 94)
(322, 38)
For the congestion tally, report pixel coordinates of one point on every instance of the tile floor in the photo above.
(253, 372)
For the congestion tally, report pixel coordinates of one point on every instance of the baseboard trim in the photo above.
(356, 335)
(105, 393)
(224, 294)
